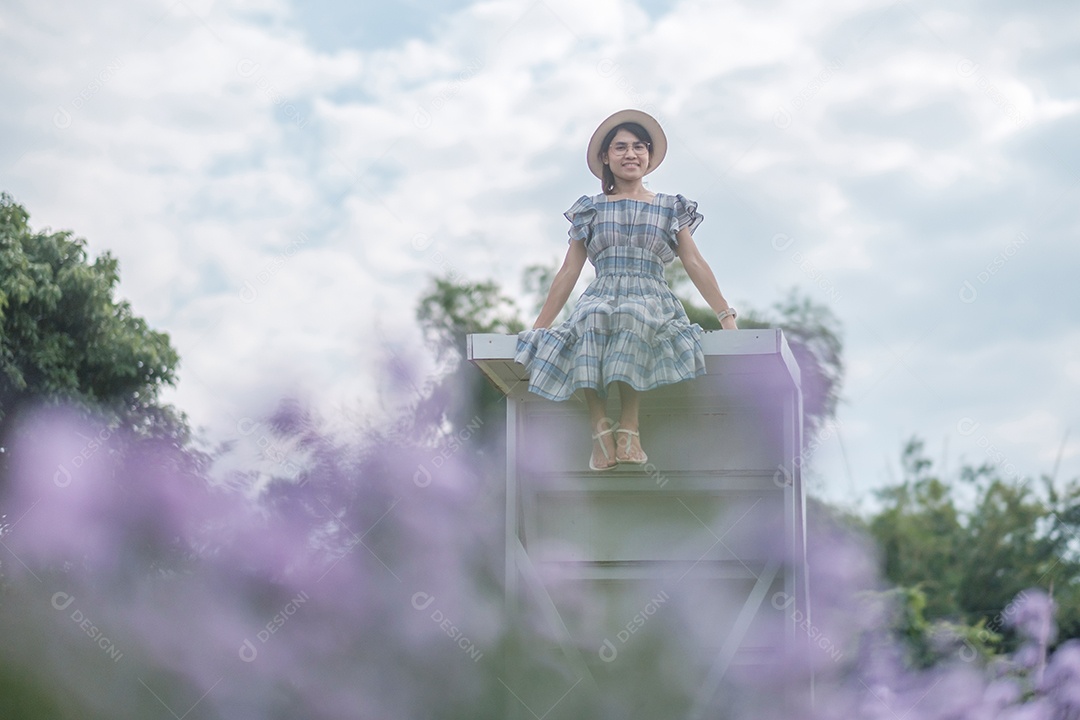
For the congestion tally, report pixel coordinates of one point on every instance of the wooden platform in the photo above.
(760, 357)
(715, 522)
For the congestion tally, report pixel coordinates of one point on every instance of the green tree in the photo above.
(813, 334)
(929, 642)
(65, 338)
(971, 558)
(450, 310)
(461, 397)
(920, 533)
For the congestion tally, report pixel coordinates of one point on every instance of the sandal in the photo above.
(607, 456)
(629, 433)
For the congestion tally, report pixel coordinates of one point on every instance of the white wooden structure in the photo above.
(685, 528)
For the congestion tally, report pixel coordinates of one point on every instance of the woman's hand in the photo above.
(728, 323)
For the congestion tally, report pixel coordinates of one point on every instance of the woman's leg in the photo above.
(603, 447)
(628, 447)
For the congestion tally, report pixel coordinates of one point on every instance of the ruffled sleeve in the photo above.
(685, 215)
(581, 216)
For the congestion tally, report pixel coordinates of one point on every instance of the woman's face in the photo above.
(627, 156)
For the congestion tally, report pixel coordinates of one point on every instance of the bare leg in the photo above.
(603, 452)
(628, 447)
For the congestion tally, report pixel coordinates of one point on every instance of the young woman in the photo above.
(628, 328)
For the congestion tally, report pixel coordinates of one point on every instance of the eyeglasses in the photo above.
(621, 148)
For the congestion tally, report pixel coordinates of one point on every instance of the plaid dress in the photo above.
(628, 325)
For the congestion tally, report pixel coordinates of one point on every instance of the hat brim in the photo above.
(656, 152)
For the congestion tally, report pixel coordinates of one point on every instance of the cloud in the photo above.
(278, 192)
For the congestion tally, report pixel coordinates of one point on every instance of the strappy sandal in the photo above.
(629, 433)
(607, 456)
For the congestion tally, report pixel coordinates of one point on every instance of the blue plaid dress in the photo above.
(628, 325)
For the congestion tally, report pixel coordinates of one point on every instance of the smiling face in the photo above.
(627, 155)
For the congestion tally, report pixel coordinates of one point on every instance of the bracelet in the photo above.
(724, 313)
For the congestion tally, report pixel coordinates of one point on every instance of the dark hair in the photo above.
(607, 182)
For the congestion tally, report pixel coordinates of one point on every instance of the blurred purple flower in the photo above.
(1031, 614)
(370, 585)
(1061, 681)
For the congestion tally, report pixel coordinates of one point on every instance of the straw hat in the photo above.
(656, 152)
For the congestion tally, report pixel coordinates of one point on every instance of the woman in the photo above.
(628, 328)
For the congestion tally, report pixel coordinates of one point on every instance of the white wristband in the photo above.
(724, 313)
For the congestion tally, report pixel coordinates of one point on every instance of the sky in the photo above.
(280, 181)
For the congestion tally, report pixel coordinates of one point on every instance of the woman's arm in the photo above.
(563, 284)
(702, 276)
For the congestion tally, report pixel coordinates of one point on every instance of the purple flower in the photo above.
(1031, 614)
(1061, 681)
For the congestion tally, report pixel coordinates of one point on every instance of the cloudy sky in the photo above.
(280, 179)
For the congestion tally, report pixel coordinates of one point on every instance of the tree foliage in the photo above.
(64, 337)
(932, 642)
(970, 555)
(813, 334)
(447, 313)
(452, 310)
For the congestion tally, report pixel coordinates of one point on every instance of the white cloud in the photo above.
(214, 147)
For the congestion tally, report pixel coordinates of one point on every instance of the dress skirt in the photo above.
(628, 326)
